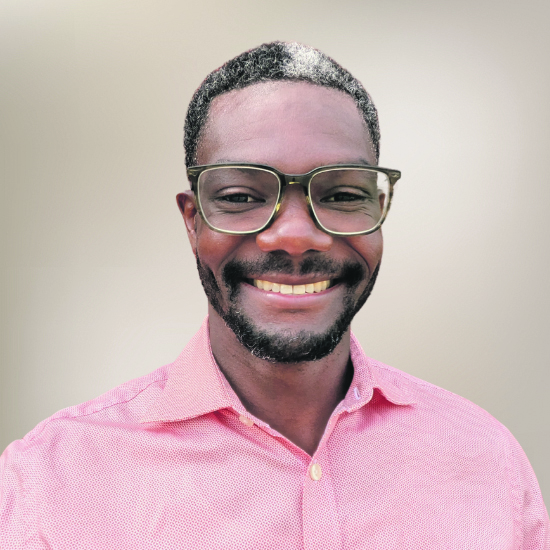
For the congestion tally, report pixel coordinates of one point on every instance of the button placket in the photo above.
(321, 524)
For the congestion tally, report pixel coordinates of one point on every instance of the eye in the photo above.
(345, 196)
(239, 198)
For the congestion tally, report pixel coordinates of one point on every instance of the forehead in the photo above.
(292, 126)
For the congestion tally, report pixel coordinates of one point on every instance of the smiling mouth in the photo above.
(309, 288)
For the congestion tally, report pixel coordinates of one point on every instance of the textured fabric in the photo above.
(173, 461)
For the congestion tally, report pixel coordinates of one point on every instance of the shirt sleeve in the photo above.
(12, 510)
(533, 516)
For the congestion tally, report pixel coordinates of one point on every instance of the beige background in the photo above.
(98, 282)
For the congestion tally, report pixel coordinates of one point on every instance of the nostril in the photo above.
(294, 235)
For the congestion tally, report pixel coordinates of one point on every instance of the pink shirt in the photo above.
(174, 461)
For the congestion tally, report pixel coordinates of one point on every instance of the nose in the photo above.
(293, 229)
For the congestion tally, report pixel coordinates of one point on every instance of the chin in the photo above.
(285, 345)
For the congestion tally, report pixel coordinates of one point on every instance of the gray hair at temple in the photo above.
(269, 62)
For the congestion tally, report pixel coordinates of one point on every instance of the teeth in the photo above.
(292, 289)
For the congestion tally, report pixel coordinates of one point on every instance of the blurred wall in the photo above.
(98, 282)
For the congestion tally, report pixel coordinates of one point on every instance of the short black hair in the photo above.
(271, 62)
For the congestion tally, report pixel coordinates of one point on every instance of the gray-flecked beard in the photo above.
(286, 346)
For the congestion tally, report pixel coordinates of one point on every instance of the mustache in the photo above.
(351, 273)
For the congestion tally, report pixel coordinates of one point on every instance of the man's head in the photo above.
(271, 62)
(292, 108)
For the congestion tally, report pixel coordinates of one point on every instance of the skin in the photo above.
(293, 127)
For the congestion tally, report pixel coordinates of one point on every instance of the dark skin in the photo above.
(293, 127)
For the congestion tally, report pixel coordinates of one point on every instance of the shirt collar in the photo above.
(369, 375)
(196, 386)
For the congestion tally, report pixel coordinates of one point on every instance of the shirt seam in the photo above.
(463, 400)
(42, 426)
(409, 377)
(425, 384)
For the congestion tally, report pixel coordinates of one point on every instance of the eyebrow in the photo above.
(353, 161)
(356, 161)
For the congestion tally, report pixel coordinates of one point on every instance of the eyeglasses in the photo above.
(343, 199)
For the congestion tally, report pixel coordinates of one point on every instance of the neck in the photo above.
(296, 399)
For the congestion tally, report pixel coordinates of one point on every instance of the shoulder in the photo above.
(66, 445)
(121, 405)
(444, 406)
(442, 418)
(463, 445)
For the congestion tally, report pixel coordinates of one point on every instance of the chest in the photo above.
(216, 483)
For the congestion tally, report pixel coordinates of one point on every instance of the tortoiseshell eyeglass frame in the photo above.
(304, 180)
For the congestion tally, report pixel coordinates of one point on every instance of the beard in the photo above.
(286, 346)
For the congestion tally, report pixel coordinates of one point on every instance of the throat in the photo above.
(296, 399)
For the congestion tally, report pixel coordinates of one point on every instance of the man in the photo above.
(273, 430)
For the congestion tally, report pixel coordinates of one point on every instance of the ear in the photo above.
(188, 209)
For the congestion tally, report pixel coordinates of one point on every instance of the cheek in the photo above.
(369, 247)
(215, 248)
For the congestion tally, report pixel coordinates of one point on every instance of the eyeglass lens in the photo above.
(243, 199)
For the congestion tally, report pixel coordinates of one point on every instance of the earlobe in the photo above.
(188, 209)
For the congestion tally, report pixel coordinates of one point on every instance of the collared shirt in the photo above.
(174, 461)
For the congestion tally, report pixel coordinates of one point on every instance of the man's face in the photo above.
(293, 127)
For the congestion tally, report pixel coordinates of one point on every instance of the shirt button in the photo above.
(315, 472)
(246, 421)
(356, 393)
